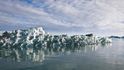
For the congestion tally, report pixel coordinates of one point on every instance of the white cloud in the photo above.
(87, 15)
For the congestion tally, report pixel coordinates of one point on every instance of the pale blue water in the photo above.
(95, 57)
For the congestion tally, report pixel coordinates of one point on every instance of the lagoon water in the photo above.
(91, 57)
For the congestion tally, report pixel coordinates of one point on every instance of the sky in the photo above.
(100, 17)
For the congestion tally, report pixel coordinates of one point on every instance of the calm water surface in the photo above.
(93, 57)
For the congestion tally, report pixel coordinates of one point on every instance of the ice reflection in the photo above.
(38, 54)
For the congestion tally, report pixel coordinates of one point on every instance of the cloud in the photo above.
(79, 16)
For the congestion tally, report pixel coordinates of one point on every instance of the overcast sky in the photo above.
(101, 17)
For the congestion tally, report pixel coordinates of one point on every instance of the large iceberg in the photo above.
(37, 37)
(34, 43)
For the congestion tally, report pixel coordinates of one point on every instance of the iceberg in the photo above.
(34, 43)
(37, 37)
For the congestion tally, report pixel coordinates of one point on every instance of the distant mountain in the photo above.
(115, 37)
(119, 37)
(122, 37)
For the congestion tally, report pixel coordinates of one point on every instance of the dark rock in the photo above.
(89, 35)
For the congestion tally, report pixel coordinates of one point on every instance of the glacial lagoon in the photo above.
(90, 57)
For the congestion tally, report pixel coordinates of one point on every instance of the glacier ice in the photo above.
(34, 43)
(36, 37)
